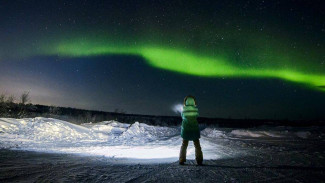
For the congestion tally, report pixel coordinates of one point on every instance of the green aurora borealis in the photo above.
(192, 63)
(287, 67)
(232, 47)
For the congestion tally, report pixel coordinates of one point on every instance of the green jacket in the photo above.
(190, 126)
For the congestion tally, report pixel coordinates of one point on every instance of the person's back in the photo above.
(190, 130)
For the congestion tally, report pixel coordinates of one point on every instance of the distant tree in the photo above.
(3, 106)
(54, 110)
(94, 118)
(7, 105)
(2, 98)
(25, 98)
(11, 99)
(88, 117)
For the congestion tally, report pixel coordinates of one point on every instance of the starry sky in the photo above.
(241, 59)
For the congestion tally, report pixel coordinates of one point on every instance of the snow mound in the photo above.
(141, 132)
(45, 130)
(213, 133)
(253, 133)
(108, 138)
(108, 127)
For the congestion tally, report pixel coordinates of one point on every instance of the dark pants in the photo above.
(198, 151)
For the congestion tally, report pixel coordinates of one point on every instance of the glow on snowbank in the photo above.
(150, 153)
(164, 152)
(129, 152)
(188, 62)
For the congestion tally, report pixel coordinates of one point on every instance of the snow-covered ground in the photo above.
(110, 151)
(119, 140)
(109, 138)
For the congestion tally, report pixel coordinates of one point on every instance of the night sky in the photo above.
(241, 59)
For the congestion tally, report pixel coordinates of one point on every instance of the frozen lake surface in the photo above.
(46, 149)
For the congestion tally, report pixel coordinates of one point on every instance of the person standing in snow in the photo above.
(190, 130)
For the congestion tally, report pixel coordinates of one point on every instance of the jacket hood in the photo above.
(190, 102)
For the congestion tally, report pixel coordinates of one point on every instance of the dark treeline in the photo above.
(78, 116)
(11, 107)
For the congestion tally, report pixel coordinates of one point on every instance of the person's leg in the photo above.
(198, 152)
(182, 154)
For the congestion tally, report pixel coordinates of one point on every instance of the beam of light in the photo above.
(187, 62)
(178, 108)
(151, 153)
(156, 153)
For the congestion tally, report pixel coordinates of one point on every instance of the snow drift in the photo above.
(279, 132)
(108, 138)
(119, 140)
